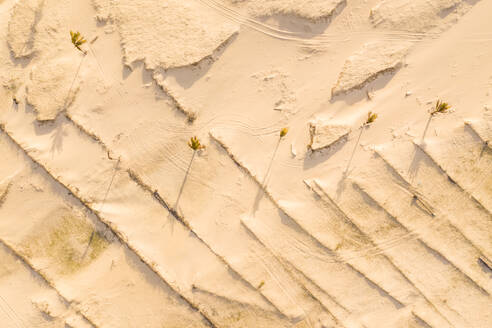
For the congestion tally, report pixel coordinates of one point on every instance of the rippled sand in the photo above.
(109, 219)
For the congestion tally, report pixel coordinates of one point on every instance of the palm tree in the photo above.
(371, 117)
(78, 40)
(195, 144)
(283, 132)
(439, 108)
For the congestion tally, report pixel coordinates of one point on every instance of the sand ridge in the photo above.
(109, 219)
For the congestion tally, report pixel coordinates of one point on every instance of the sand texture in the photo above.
(373, 60)
(308, 9)
(52, 86)
(168, 34)
(22, 22)
(415, 16)
(325, 134)
(215, 164)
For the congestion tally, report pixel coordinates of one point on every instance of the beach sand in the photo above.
(109, 219)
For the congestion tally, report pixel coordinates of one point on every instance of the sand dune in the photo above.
(109, 219)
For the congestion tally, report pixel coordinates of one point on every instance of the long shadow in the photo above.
(341, 185)
(57, 137)
(417, 158)
(426, 129)
(100, 208)
(261, 187)
(345, 173)
(54, 128)
(184, 181)
(67, 99)
(173, 211)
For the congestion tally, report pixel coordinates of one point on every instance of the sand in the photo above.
(109, 219)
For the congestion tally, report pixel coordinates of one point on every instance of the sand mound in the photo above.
(310, 9)
(52, 86)
(108, 210)
(103, 9)
(168, 33)
(324, 134)
(374, 59)
(21, 27)
(415, 16)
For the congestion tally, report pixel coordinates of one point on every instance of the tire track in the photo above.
(10, 249)
(382, 248)
(402, 204)
(455, 181)
(306, 39)
(223, 258)
(164, 202)
(285, 251)
(450, 197)
(121, 237)
(414, 258)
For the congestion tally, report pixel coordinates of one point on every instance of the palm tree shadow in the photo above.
(57, 139)
(426, 129)
(184, 182)
(174, 210)
(261, 187)
(345, 173)
(54, 129)
(100, 208)
(415, 164)
(342, 184)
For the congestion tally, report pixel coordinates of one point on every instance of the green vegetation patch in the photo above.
(68, 242)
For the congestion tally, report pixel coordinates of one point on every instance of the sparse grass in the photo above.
(77, 40)
(195, 144)
(64, 244)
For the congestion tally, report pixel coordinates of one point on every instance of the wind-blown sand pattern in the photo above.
(416, 16)
(189, 30)
(109, 219)
(324, 134)
(59, 77)
(309, 9)
(374, 59)
(21, 27)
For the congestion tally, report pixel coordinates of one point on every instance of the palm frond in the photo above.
(441, 107)
(371, 117)
(195, 144)
(77, 40)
